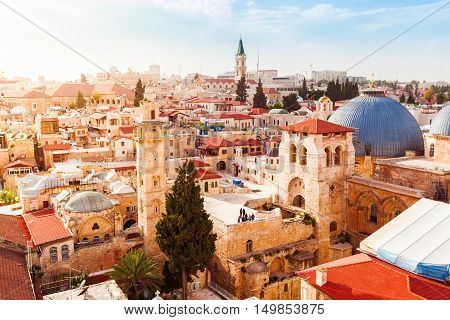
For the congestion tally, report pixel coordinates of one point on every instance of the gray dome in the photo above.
(88, 201)
(441, 123)
(256, 267)
(278, 111)
(384, 128)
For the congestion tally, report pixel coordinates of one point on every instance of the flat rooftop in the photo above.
(225, 206)
(419, 163)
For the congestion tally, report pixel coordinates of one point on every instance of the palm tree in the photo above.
(136, 274)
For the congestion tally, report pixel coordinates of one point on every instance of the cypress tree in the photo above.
(259, 99)
(241, 90)
(81, 103)
(402, 98)
(290, 102)
(138, 93)
(411, 99)
(303, 92)
(185, 232)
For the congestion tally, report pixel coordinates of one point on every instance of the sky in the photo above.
(188, 36)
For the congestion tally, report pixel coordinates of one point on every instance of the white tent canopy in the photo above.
(418, 240)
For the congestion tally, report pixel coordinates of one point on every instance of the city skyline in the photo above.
(140, 33)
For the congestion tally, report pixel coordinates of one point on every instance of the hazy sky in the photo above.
(202, 35)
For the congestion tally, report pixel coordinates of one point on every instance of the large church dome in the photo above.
(88, 201)
(383, 127)
(441, 123)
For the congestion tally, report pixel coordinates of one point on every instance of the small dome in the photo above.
(256, 267)
(324, 99)
(441, 122)
(278, 111)
(88, 201)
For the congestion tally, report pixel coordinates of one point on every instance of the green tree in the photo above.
(241, 90)
(303, 92)
(185, 232)
(402, 98)
(7, 198)
(136, 275)
(277, 105)
(440, 98)
(411, 99)
(429, 95)
(81, 102)
(259, 99)
(315, 94)
(96, 96)
(138, 93)
(172, 280)
(290, 102)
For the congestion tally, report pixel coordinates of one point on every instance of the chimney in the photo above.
(321, 276)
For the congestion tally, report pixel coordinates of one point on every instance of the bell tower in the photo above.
(151, 175)
(241, 62)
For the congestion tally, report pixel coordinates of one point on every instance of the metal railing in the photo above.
(221, 291)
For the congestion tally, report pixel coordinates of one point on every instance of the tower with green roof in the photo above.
(241, 62)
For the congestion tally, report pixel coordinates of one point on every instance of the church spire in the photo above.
(240, 50)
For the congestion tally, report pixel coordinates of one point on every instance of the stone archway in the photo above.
(277, 266)
(391, 207)
(296, 190)
(221, 165)
(299, 201)
(128, 224)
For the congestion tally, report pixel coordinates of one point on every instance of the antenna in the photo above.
(257, 64)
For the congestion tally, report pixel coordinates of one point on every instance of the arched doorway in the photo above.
(128, 224)
(277, 266)
(206, 186)
(221, 165)
(299, 201)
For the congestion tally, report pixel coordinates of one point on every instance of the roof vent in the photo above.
(321, 276)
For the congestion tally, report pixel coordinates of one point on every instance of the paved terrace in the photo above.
(226, 206)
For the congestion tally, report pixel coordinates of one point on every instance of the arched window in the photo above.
(328, 153)
(333, 226)
(85, 241)
(96, 239)
(53, 254)
(249, 246)
(303, 156)
(64, 252)
(292, 154)
(206, 186)
(397, 212)
(337, 156)
(95, 226)
(432, 150)
(373, 213)
(107, 237)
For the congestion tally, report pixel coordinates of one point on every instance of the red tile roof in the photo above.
(45, 227)
(203, 174)
(199, 164)
(316, 126)
(126, 129)
(11, 230)
(254, 142)
(361, 277)
(216, 142)
(258, 111)
(15, 282)
(21, 163)
(235, 116)
(52, 147)
(270, 91)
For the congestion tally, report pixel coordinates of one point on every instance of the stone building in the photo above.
(151, 175)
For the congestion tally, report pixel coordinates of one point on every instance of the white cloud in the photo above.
(209, 8)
